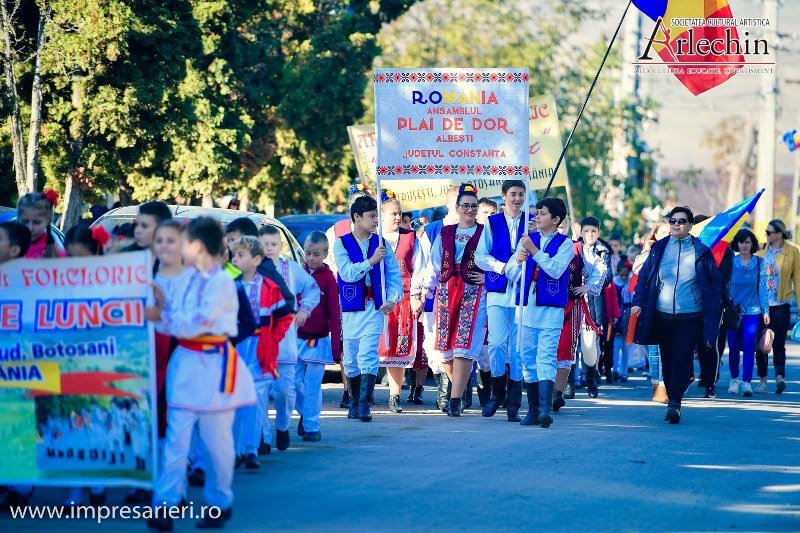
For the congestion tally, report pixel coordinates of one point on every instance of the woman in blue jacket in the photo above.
(749, 291)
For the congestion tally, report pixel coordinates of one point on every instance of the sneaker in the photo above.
(251, 462)
(780, 386)
(762, 386)
(711, 392)
(312, 436)
(747, 389)
(733, 387)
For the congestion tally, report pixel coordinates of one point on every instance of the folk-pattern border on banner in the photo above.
(456, 170)
(403, 76)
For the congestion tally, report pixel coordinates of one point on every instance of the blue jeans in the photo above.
(655, 364)
(621, 355)
(743, 341)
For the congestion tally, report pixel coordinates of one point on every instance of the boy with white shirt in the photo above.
(547, 254)
(307, 292)
(501, 234)
(367, 293)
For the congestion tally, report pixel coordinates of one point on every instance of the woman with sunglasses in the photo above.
(678, 298)
(782, 265)
(460, 300)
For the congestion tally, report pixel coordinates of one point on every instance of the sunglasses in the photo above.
(678, 221)
(468, 207)
(768, 232)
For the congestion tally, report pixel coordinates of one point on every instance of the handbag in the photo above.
(764, 344)
(732, 316)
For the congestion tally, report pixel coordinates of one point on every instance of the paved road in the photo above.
(608, 464)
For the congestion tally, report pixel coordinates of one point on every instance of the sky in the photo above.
(684, 118)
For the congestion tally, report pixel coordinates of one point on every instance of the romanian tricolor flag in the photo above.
(718, 232)
(703, 54)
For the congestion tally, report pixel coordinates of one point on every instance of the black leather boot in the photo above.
(545, 402)
(444, 392)
(514, 400)
(498, 397)
(394, 403)
(466, 398)
(454, 409)
(345, 403)
(591, 382)
(569, 388)
(365, 399)
(484, 387)
(558, 401)
(416, 397)
(354, 385)
(532, 418)
(411, 378)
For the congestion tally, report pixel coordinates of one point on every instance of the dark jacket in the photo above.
(647, 288)
(726, 270)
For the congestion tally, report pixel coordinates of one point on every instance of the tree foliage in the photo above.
(191, 98)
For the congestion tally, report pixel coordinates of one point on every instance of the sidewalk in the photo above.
(610, 464)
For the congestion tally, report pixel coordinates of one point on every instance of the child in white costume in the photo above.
(206, 379)
(367, 293)
(307, 293)
(546, 290)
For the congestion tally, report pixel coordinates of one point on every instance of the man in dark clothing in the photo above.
(679, 302)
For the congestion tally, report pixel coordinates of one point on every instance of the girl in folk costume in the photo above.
(367, 293)
(343, 227)
(35, 210)
(435, 359)
(314, 344)
(303, 285)
(545, 292)
(460, 299)
(259, 350)
(206, 379)
(404, 346)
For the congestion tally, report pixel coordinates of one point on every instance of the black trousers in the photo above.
(677, 339)
(709, 357)
(779, 317)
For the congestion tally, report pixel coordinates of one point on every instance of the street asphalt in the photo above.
(606, 464)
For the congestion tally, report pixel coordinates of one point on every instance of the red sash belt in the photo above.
(220, 344)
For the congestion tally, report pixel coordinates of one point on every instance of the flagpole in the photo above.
(586, 100)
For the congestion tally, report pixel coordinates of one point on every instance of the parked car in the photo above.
(302, 225)
(291, 249)
(7, 214)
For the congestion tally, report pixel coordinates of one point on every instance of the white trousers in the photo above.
(283, 394)
(215, 429)
(435, 358)
(248, 425)
(503, 342)
(308, 386)
(361, 355)
(539, 348)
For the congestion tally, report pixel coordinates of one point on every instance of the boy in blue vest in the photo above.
(501, 234)
(547, 255)
(367, 295)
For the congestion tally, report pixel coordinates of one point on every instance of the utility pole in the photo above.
(765, 176)
(795, 183)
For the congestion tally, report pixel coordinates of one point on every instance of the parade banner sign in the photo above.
(75, 366)
(546, 145)
(414, 193)
(452, 123)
